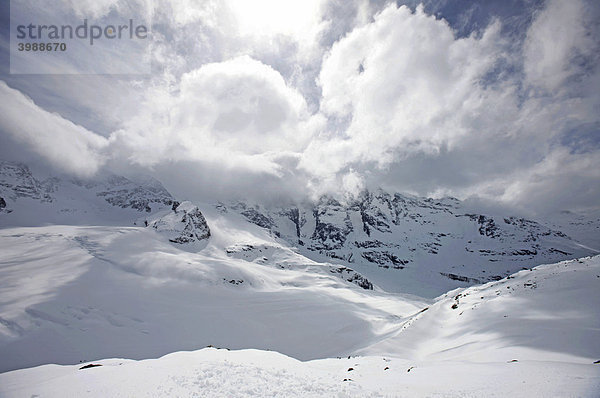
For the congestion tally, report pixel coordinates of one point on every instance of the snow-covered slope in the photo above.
(548, 313)
(536, 333)
(414, 245)
(251, 373)
(76, 293)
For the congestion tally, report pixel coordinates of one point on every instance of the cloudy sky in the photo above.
(491, 99)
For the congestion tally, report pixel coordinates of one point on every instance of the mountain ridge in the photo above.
(401, 243)
(30, 200)
(388, 237)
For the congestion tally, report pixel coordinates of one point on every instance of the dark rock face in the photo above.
(328, 236)
(487, 227)
(252, 214)
(2, 203)
(460, 278)
(332, 225)
(371, 215)
(196, 228)
(186, 224)
(257, 218)
(91, 365)
(294, 215)
(352, 276)
(384, 259)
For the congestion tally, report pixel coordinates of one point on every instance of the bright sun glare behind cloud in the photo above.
(269, 17)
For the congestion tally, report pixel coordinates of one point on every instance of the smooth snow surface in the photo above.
(72, 293)
(536, 333)
(251, 373)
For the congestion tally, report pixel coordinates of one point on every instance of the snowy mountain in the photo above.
(115, 267)
(400, 243)
(108, 199)
(414, 245)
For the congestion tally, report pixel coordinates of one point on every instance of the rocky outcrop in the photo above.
(352, 276)
(384, 259)
(332, 225)
(185, 224)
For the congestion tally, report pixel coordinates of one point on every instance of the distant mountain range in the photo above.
(400, 243)
(30, 200)
(415, 245)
